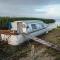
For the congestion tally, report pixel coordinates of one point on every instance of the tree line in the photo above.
(5, 21)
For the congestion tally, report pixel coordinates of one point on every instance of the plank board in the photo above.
(51, 45)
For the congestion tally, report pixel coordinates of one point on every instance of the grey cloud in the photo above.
(30, 2)
(24, 7)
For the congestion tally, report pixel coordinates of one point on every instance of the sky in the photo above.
(30, 8)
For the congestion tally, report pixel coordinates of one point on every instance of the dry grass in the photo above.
(53, 36)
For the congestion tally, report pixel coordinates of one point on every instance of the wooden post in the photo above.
(32, 52)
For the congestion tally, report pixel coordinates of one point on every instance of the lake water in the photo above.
(57, 22)
(53, 25)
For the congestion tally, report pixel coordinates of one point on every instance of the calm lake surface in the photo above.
(54, 25)
(57, 22)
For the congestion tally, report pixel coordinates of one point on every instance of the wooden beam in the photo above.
(51, 45)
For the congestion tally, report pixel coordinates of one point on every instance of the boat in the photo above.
(15, 35)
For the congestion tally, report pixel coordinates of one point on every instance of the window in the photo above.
(34, 26)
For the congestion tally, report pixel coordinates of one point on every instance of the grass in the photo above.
(8, 50)
(53, 37)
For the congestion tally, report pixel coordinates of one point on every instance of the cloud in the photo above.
(30, 8)
(49, 11)
(53, 10)
(30, 2)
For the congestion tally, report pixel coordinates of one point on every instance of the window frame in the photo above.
(33, 26)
